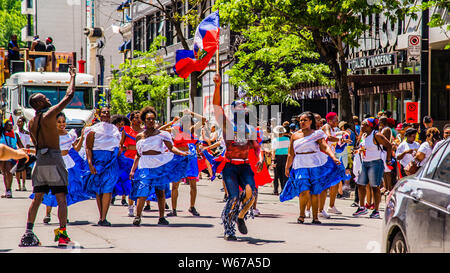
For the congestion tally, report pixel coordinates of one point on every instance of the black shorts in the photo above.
(54, 189)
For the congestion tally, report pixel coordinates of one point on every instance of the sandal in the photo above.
(137, 221)
(316, 222)
(300, 219)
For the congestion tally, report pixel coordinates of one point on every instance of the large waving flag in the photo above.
(206, 42)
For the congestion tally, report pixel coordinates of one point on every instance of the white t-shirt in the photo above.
(425, 149)
(405, 146)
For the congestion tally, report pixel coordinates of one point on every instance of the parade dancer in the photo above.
(185, 140)
(102, 151)
(311, 172)
(154, 168)
(49, 172)
(69, 146)
(128, 144)
(239, 139)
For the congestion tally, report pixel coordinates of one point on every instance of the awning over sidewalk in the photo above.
(376, 84)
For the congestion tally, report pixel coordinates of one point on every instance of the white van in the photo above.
(20, 86)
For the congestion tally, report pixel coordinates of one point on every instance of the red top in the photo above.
(182, 139)
(130, 140)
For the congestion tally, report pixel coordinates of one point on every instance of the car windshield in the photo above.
(81, 100)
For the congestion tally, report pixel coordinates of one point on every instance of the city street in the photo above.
(274, 231)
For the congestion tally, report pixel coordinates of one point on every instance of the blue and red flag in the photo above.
(206, 42)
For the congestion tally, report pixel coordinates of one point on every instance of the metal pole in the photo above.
(424, 64)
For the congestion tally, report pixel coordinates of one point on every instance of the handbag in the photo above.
(411, 168)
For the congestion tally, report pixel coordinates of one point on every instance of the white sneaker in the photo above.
(256, 212)
(324, 214)
(334, 210)
(307, 214)
(131, 211)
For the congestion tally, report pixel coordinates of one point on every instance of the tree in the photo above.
(11, 21)
(147, 77)
(436, 19)
(333, 26)
(269, 65)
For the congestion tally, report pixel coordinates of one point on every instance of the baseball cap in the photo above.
(410, 131)
(399, 127)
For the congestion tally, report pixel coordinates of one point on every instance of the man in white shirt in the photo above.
(407, 149)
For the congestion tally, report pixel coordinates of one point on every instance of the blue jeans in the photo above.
(237, 175)
(371, 172)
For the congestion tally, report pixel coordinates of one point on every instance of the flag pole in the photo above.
(217, 52)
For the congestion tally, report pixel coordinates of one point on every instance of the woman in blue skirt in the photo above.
(69, 146)
(154, 167)
(312, 170)
(102, 150)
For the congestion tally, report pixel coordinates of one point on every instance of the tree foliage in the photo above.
(269, 66)
(332, 26)
(146, 75)
(11, 21)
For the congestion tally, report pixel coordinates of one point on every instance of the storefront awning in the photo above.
(312, 91)
(376, 84)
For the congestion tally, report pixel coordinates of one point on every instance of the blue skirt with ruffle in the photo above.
(192, 168)
(315, 179)
(75, 189)
(123, 186)
(108, 172)
(146, 180)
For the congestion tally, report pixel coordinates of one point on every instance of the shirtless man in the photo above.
(237, 171)
(49, 173)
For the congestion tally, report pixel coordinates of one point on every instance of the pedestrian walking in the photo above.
(407, 150)
(25, 138)
(280, 147)
(49, 172)
(372, 168)
(425, 149)
(11, 139)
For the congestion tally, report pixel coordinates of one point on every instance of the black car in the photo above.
(417, 215)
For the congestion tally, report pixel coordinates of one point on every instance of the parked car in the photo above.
(417, 215)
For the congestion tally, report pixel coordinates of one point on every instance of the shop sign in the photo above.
(374, 61)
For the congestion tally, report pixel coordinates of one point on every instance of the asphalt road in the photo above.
(274, 231)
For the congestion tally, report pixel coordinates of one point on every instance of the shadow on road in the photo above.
(5, 250)
(156, 225)
(268, 215)
(256, 241)
(326, 224)
(79, 223)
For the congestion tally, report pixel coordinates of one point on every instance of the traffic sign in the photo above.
(414, 48)
(412, 112)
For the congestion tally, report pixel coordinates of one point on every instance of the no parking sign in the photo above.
(412, 112)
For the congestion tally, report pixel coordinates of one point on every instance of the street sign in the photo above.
(129, 96)
(412, 112)
(414, 48)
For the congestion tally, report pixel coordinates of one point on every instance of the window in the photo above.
(139, 35)
(150, 29)
(81, 100)
(443, 170)
(430, 167)
(169, 28)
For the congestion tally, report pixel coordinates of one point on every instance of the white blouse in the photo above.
(107, 136)
(154, 143)
(306, 145)
(65, 144)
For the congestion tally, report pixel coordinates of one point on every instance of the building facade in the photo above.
(384, 76)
